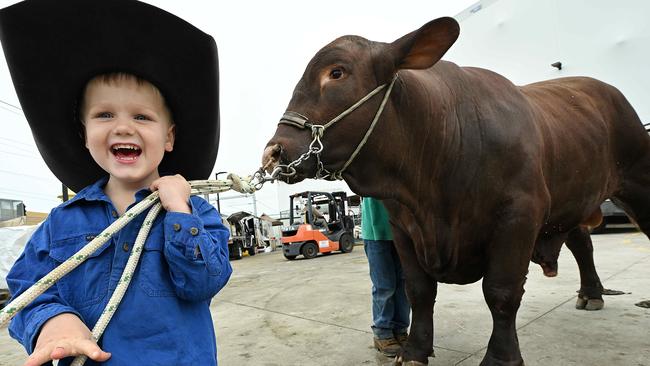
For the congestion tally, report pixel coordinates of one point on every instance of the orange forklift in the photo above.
(320, 226)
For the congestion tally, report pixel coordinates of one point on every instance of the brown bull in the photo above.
(479, 175)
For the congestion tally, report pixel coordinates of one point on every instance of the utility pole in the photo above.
(216, 176)
(254, 204)
(64, 192)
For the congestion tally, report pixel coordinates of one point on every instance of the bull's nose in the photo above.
(271, 157)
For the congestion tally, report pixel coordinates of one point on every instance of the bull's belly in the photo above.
(457, 261)
(464, 272)
(565, 221)
(583, 208)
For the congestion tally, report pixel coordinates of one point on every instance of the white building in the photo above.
(520, 39)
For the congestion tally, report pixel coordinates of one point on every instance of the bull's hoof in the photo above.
(585, 303)
(400, 362)
(489, 360)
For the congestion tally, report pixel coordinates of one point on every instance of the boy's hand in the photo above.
(174, 193)
(63, 336)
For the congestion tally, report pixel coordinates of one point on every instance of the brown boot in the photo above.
(403, 339)
(389, 347)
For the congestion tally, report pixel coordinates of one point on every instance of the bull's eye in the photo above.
(336, 73)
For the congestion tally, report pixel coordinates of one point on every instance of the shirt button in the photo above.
(194, 231)
(177, 227)
(125, 247)
(114, 213)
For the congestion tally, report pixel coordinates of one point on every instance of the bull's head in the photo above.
(341, 93)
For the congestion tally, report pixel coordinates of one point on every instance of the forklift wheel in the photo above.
(290, 257)
(309, 250)
(346, 243)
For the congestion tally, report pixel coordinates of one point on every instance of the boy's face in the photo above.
(128, 130)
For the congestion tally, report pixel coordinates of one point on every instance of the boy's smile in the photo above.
(128, 129)
(126, 153)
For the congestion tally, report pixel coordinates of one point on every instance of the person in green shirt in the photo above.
(390, 306)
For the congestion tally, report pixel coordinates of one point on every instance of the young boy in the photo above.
(80, 57)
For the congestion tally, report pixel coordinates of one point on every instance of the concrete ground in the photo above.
(317, 312)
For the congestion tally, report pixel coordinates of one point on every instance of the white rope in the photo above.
(339, 175)
(125, 280)
(242, 185)
(354, 106)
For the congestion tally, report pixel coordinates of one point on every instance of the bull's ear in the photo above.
(422, 48)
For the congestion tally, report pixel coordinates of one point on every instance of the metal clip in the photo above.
(317, 131)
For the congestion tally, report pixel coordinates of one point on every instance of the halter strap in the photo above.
(300, 121)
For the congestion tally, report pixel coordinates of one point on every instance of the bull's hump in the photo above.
(346, 50)
(348, 43)
(569, 84)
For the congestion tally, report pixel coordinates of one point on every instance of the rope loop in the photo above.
(317, 131)
(241, 185)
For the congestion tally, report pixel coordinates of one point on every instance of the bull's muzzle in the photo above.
(271, 157)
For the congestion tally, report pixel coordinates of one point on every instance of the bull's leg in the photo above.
(590, 296)
(508, 256)
(421, 291)
(636, 204)
(633, 196)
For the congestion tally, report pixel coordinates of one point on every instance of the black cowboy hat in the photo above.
(54, 47)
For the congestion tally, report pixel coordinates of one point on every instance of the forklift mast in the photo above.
(335, 202)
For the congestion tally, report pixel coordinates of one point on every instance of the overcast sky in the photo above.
(264, 47)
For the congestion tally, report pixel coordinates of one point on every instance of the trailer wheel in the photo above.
(309, 250)
(238, 251)
(346, 243)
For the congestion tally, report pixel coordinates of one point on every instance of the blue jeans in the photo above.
(390, 307)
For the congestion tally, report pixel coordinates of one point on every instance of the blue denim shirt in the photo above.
(164, 317)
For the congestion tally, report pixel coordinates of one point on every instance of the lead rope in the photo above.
(338, 175)
(125, 280)
(242, 185)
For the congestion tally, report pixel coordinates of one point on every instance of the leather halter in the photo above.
(297, 120)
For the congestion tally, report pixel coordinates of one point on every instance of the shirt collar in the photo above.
(95, 192)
